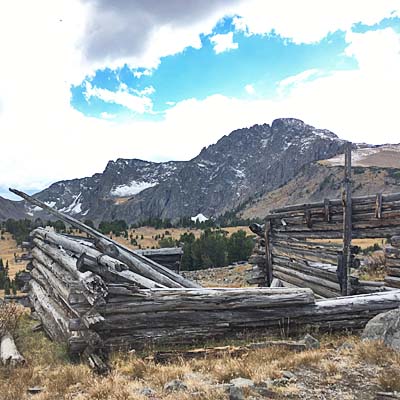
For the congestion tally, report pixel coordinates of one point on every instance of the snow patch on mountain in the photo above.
(199, 218)
(75, 207)
(131, 189)
(379, 156)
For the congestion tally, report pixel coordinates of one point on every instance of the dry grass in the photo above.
(8, 248)
(10, 315)
(149, 234)
(49, 369)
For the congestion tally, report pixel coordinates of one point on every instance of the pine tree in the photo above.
(7, 287)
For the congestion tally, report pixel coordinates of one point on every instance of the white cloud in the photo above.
(309, 21)
(139, 74)
(107, 115)
(223, 42)
(140, 103)
(250, 89)
(147, 91)
(139, 32)
(43, 139)
(297, 79)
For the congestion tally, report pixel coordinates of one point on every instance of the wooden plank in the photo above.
(268, 263)
(378, 206)
(347, 221)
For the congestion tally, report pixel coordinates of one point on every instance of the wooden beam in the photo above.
(347, 221)
(378, 206)
(268, 253)
(127, 253)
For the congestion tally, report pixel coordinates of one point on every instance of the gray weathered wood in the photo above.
(9, 354)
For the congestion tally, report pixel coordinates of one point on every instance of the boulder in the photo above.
(385, 327)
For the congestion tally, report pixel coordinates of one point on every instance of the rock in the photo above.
(236, 393)
(35, 390)
(264, 391)
(242, 382)
(147, 392)
(311, 342)
(175, 385)
(288, 375)
(346, 346)
(280, 382)
(385, 327)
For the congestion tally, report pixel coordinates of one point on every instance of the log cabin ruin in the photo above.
(97, 295)
(310, 245)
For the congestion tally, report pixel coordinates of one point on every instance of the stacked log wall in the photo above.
(93, 301)
(301, 254)
(392, 261)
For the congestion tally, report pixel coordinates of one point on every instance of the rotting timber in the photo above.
(98, 296)
(310, 245)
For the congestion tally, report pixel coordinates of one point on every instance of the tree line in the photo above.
(212, 249)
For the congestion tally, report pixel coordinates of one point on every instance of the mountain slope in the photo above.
(11, 209)
(323, 179)
(247, 162)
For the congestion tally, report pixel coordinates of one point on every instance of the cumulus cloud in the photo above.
(223, 42)
(41, 57)
(139, 32)
(309, 21)
(139, 103)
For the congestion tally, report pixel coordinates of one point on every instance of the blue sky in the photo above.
(83, 82)
(261, 61)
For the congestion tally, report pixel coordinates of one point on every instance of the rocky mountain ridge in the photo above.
(247, 162)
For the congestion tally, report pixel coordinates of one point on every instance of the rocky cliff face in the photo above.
(248, 161)
(11, 209)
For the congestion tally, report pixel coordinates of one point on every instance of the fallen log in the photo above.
(9, 354)
(221, 351)
(110, 256)
(387, 396)
(124, 252)
(114, 272)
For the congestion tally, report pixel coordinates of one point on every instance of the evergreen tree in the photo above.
(239, 246)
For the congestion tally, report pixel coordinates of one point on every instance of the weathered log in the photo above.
(221, 351)
(258, 229)
(56, 322)
(207, 299)
(9, 354)
(69, 297)
(276, 283)
(94, 287)
(334, 314)
(124, 252)
(298, 282)
(136, 265)
(306, 255)
(338, 202)
(114, 272)
(307, 278)
(392, 252)
(387, 396)
(395, 241)
(392, 281)
(146, 267)
(54, 318)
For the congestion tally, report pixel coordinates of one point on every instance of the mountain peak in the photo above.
(223, 176)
